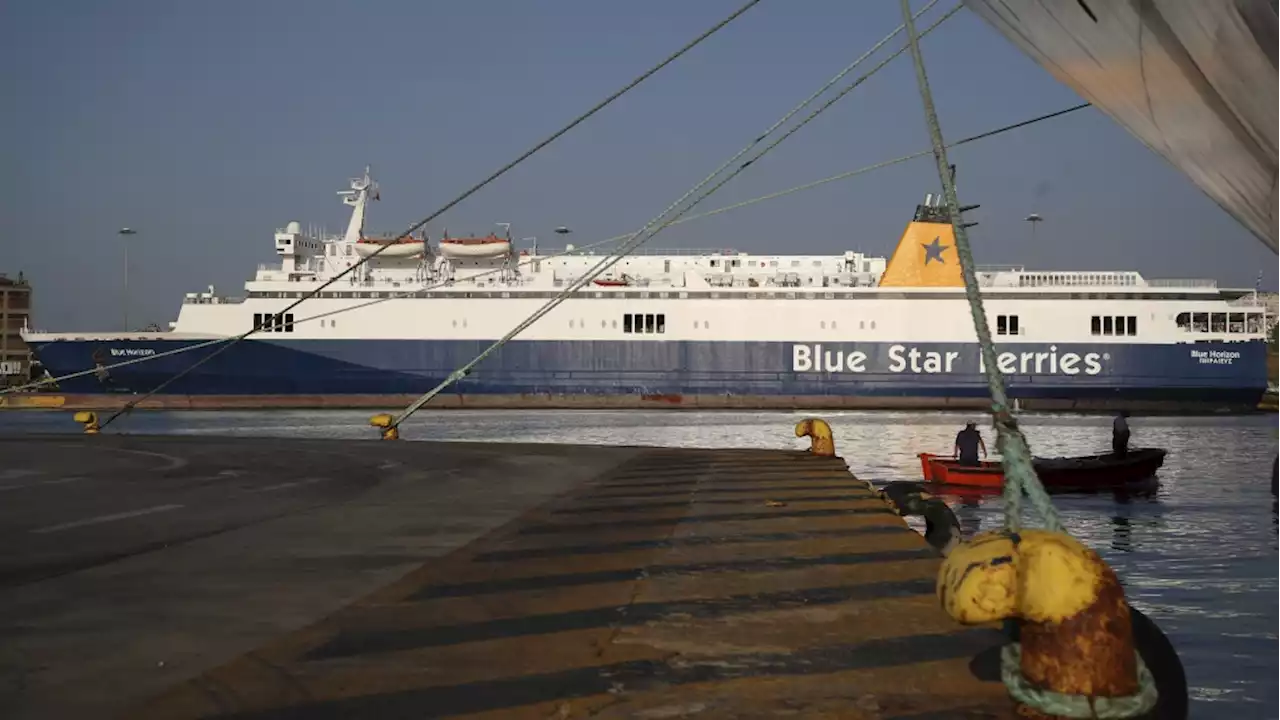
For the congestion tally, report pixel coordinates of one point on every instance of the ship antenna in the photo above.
(362, 190)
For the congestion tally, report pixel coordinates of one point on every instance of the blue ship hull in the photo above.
(1224, 373)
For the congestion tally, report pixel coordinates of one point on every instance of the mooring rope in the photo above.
(658, 224)
(1019, 469)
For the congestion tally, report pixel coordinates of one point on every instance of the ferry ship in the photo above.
(700, 329)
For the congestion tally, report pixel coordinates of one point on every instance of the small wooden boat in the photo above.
(1083, 472)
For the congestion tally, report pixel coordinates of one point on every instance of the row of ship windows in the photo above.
(1113, 325)
(1007, 325)
(656, 323)
(1236, 322)
(647, 323)
(1252, 322)
(267, 322)
(706, 295)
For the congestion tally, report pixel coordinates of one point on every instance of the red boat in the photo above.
(1083, 472)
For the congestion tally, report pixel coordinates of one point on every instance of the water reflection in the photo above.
(1275, 501)
(1275, 523)
(1122, 535)
(1197, 554)
(967, 510)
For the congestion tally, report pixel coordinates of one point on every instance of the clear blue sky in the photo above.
(208, 125)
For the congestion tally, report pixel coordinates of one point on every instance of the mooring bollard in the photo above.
(384, 420)
(89, 419)
(1076, 656)
(820, 440)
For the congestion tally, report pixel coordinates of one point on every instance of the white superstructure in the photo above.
(482, 292)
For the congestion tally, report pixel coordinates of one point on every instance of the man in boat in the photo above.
(968, 442)
(1120, 434)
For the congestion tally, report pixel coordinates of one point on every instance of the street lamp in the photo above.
(1034, 219)
(124, 233)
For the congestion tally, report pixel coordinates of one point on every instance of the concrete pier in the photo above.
(184, 577)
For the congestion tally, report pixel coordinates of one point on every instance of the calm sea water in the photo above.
(1198, 556)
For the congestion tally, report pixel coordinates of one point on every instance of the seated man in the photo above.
(968, 442)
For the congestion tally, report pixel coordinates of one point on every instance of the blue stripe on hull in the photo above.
(1214, 371)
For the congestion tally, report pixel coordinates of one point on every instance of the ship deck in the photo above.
(179, 577)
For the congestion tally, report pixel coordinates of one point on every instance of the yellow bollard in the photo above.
(1076, 634)
(819, 432)
(89, 419)
(384, 420)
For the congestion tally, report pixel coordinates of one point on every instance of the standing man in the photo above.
(1120, 434)
(968, 442)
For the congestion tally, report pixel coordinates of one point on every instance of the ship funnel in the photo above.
(926, 254)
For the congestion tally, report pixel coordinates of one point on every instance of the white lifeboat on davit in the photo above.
(404, 247)
(491, 246)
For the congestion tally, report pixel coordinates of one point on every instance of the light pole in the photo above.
(1034, 219)
(124, 241)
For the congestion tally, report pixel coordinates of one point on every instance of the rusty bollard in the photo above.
(820, 440)
(1076, 646)
(384, 420)
(89, 419)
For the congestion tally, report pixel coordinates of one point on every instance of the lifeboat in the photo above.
(1070, 473)
(475, 247)
(404, 247)
(612, 282)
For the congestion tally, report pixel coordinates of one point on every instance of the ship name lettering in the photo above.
(1215, 357)
(900, 358)
(1040, 363)
(132, 352)
(805, 358)
(913, 360)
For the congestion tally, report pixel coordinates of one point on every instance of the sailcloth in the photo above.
(1195, 80)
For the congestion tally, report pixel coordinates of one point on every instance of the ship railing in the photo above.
(1182, 282)
(999, 278)
(684, 252)
(410, 282)
(206, 299)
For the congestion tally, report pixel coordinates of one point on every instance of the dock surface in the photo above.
(185, 577)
